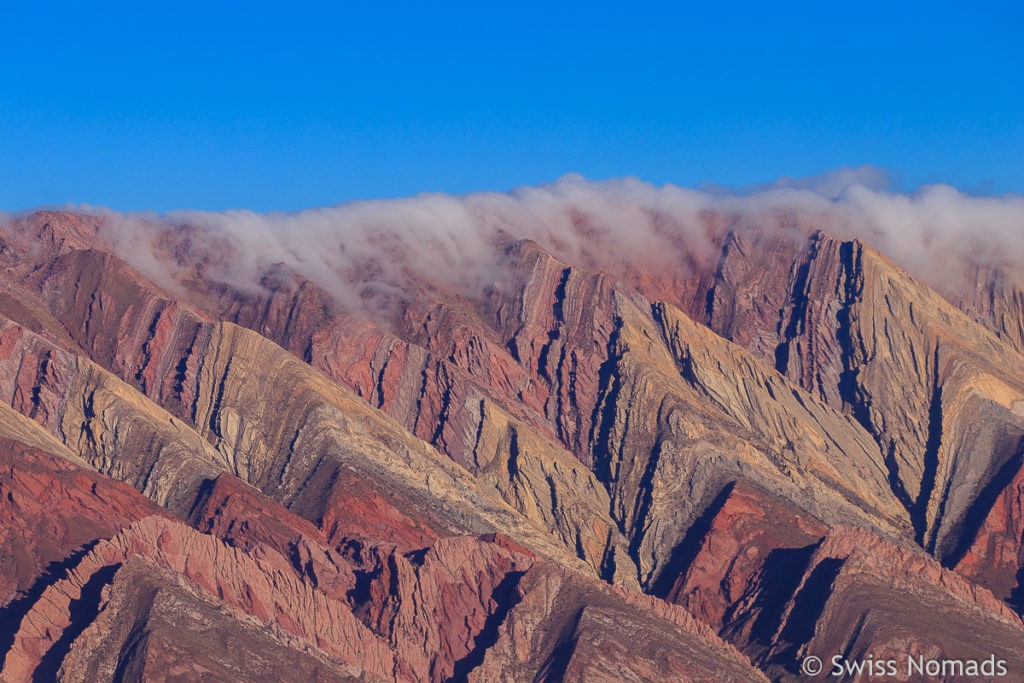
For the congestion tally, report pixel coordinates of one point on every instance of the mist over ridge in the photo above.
(742, 378)
(470, 343)
(360, 248)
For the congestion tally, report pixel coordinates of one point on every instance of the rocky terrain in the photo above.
(575, 464)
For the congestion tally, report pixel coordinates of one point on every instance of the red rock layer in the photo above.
(995, 558)
(52, 509)
(780, 586)
(589, 419)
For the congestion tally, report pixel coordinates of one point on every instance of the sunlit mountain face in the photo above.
(580, 431)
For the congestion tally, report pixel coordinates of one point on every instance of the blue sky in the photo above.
(191, 105)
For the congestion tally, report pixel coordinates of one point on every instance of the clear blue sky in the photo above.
(186, 105)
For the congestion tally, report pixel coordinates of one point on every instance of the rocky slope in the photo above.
(578, 470)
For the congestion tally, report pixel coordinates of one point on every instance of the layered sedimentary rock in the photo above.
(781, 585)
(579, 470)
(52, 509)
(102, 419)
(564, 628)
(995, 556)
(156, 626)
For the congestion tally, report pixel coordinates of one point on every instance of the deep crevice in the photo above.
(199, 503)
(436, 439)
(685, 552)
(799, 301)
(603, 417)
(360, 594)
(1016, 599)
(506, 597)
(82, 611)
(215, 408)
(808, 605)
(930, 461)
(711, 296)
(380, 381)
(513, 455)
(778, 580)
(14, 611)
(558, 314)
(145, 353)
(892, 469)
(131, 658)
(983, 503)
(608, 564)
(558, 309)
(644, 502)
(849, 391)
(557, 663)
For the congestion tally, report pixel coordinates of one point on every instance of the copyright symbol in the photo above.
(811, 665)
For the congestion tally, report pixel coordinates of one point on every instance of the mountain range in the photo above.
(241, 447)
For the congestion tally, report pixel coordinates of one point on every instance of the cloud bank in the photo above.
(357, 249)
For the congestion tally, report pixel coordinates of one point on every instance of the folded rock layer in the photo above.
(579, 470)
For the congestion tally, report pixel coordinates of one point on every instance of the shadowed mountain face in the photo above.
(774, 444)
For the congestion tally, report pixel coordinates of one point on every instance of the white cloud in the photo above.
(360, 248)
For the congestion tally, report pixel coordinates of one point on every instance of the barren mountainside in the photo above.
(568, 461)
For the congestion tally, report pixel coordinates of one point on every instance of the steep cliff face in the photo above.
(780, 585)
(153, 625)
(576, 471)
(936, 390)
(263, 588)
(52, 508)
(995, 557)
(991, 294)
(564, 628)
(946, 419)
(103, 420)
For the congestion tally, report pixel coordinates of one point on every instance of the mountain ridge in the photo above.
(790, 425)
